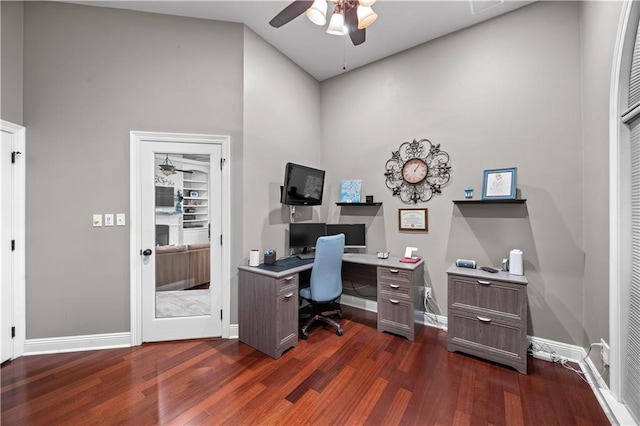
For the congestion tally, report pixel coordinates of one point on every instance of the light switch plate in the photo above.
(97, 220)
(108, 219)
(120, 221)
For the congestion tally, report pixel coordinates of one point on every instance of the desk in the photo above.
(268, 298)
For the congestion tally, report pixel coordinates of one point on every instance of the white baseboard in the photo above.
(616, 411)
(76, 343)
(547, 349)
(234, 332)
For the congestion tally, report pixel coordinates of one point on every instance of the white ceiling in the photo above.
(400, 25)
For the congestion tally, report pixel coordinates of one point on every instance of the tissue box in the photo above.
(269, 257)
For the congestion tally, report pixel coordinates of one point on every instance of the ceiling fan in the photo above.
(167, 168)
(349, 16)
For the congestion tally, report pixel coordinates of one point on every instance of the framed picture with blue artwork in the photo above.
(350, 191)
(499, 184)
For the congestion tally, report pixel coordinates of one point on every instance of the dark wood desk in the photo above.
(268, 299)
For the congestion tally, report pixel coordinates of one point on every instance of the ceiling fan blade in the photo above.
(351, 19)
(290, 12)
(184, 171)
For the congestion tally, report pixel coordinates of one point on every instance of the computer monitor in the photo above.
(354, 233)
(305, 235)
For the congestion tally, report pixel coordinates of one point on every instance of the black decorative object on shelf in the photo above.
(417, 171)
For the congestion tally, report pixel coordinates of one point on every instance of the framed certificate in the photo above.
(412, 219)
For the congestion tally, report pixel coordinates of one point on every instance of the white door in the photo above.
(181, 254)
(6, 297)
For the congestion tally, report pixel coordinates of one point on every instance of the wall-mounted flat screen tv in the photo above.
(303, 186)
(164, 196)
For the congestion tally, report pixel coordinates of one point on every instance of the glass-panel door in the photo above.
(181, 268)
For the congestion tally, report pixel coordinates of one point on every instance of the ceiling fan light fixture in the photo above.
(367, 3)
(366, 16)
(336, 25)
(317, 13)
(167, 168)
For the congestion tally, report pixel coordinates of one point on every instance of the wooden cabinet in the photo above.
(268, 317)
(396, 289)
(487, 316)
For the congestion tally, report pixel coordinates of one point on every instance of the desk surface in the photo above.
(359, 258)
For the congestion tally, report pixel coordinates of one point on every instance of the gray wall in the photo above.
(529, 89)
(504, 93)
(11, 14)
(281, 124)
(91, 75)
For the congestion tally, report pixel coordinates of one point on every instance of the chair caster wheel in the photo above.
(304, 335)
(339, 332)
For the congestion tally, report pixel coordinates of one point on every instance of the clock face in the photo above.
(414, 170)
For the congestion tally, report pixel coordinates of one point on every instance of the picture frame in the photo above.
(499, 184)
(193, 194)
(415, 219)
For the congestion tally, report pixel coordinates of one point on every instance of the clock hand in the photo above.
(416, 169)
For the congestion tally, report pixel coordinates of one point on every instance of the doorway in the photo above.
(179, 220)
(12, 237)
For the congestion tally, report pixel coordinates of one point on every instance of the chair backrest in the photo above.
(326, 274)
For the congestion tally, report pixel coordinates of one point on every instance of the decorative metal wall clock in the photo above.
(417, 171)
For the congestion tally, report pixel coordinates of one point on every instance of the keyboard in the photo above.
(305, 256)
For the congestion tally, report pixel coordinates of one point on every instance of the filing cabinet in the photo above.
(396, 290)
(487, 316)
(268, 320)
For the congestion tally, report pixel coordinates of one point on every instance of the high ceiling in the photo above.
(400, 25)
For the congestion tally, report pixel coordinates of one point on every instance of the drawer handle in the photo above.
(394, 271)
(289, 278)
(394, 286)
(484, 282)
(483, 319)
(288, 296)
(394, 301)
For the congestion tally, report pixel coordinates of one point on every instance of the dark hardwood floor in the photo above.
(363, 377)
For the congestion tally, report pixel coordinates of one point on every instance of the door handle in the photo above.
(147, 252)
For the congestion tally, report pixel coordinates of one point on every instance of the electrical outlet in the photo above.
(427, 292)
(605, 352)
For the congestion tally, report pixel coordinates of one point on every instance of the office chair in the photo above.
(326, 282)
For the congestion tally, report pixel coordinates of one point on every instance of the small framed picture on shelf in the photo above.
(499, 184)
(413, 220)
(350, 191)
(193, 194)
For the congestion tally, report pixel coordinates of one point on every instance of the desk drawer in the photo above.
(395, 315)
(489, 296)
(395, 275)
(395, 289)
(288, 284)
(486, 336)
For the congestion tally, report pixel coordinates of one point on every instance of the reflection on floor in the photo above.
(183, 303)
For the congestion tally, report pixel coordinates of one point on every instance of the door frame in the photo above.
(135, 217)
(18, 271)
